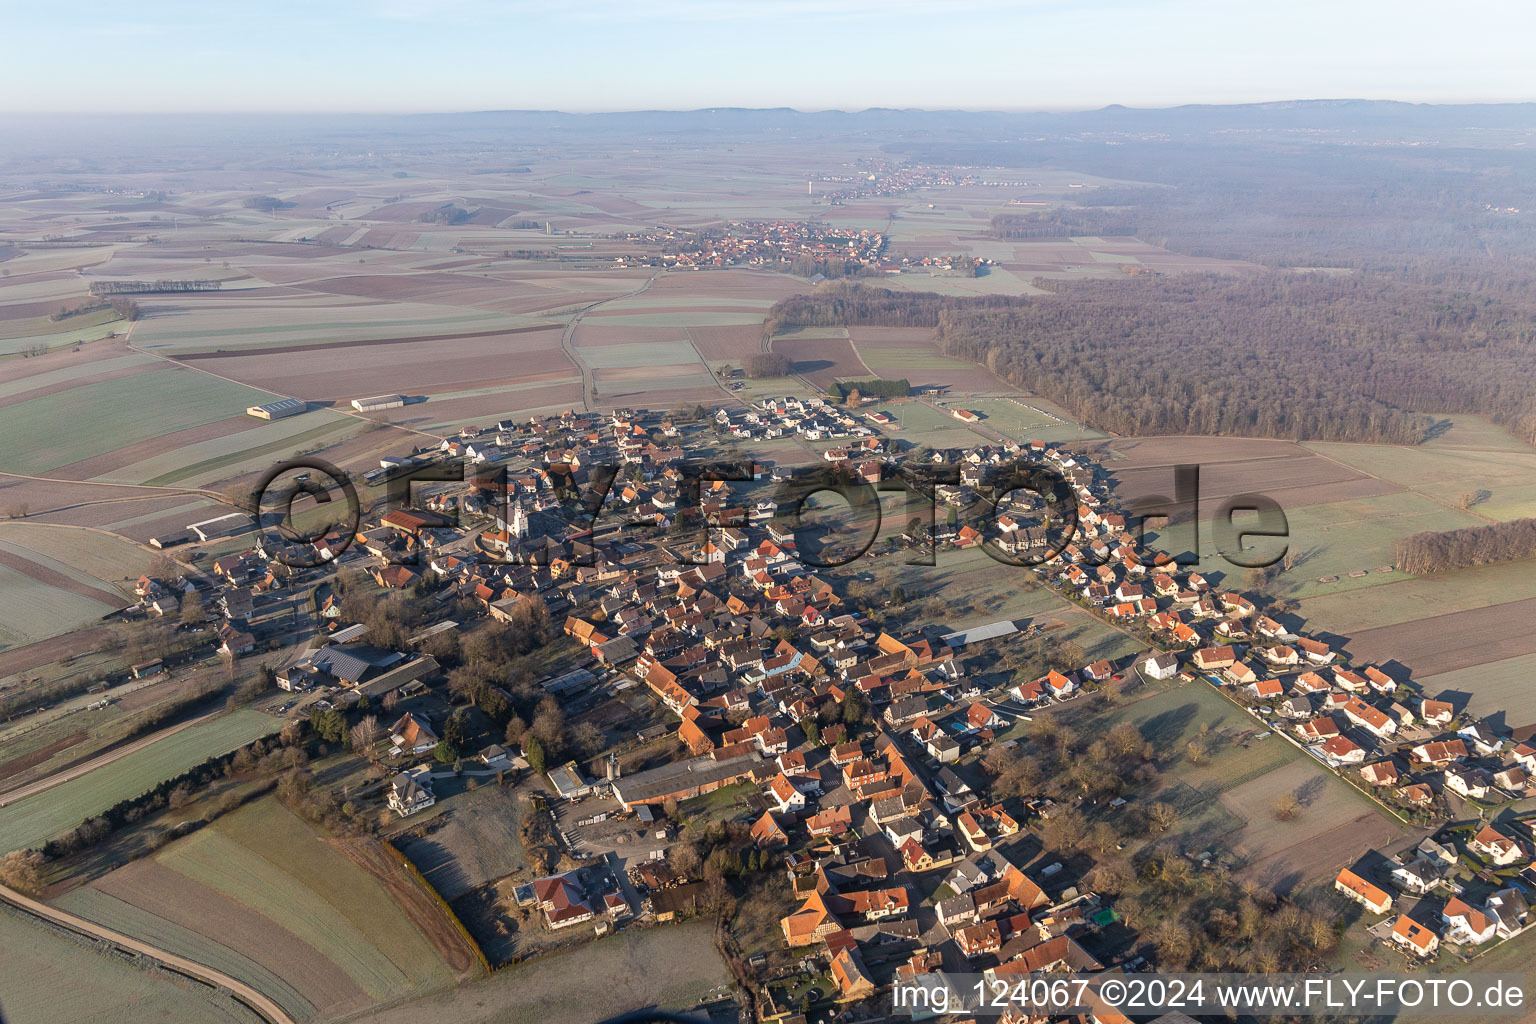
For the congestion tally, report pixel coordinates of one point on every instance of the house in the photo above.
(1509, 910)
(768, 833)
(1440, 752)
(1372, 720)
(1381, 773)
(875, 904)
(979, 939)
(1317, 730)
(411, 791)
(1473, 783)
(1466, 925)
(1513, 778)
(853, 981)
(810, 924)
(1372, 897)
(1414, 937)
(561, 900)
(1482, 738)
(1436, 712)
(783, 795)
(831, 821)
(1497, 847)
(957, 910)
(1161, 666)
(1342, 750)
(979, 716)
(1214, 659)
(1260, 689)
(943, 749)
(412, 733)
(1525, 754)
(1417, 876)
(1059, 686)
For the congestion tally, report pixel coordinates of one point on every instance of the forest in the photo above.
(1441, 551)
(1288, 354)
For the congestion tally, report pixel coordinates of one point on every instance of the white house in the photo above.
(411, 791)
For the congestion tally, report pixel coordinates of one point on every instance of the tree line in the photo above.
(1444, 550)
(147, 287)
(877, 386)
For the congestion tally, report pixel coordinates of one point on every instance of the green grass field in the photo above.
(267, 860)
(36, 611)
(1341, 537)
(111, 912)
(665, 353)
(1447, 473)
(61, 376)
(39, 957)
(34, 820)
(90, 557)
(222, 457)
(1417, 597)
(93, 419)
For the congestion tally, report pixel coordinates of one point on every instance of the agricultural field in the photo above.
(94, 559)
(671, 967)
(1291, 474)
(1435, 644)
(913, 353)
(101, 986)
(1483, 586)
(821, 356)
(1447, 473)
(75, 427)
(42, 603)
(1488, 687)
(317, 925)
(32, 821)
(427, 365)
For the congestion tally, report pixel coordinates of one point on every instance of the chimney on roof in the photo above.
(614, 771)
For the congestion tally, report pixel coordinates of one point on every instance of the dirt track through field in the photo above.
(245, 993)
(42, 785)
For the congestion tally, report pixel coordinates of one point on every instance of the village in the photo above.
(770, 244)
(790, 739)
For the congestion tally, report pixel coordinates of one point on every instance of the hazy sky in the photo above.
(423, 55)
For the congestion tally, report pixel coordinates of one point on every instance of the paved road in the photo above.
(248, 995)
(78, 770)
